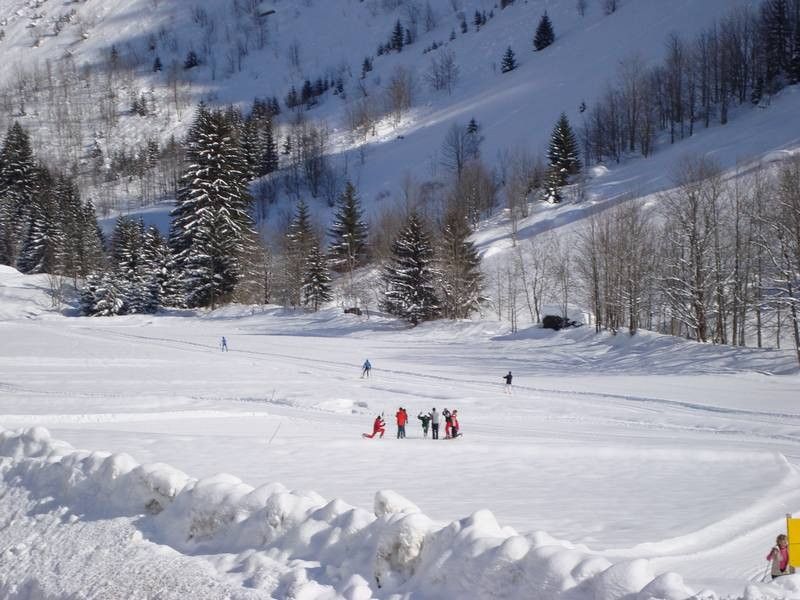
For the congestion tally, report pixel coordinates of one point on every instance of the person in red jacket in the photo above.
(402, 419)
(454, 424)
(377, 427)
(779, 555)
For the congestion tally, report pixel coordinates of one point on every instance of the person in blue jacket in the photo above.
(365, 369)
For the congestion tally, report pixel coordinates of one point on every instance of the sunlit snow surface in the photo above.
(645, 448)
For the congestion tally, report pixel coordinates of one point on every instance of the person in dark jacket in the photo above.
(508, 378)
(426, 420)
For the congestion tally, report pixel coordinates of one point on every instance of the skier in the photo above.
(448, 423)
(426, 420)
(365, 369)
(434, 424)
(377, 427)
(223, 344)
(402, 419)
(508, 382)
(779, 555)
(454, 424)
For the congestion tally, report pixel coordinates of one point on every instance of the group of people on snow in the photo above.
(429, 420)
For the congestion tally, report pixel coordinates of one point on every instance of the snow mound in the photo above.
(325, 549)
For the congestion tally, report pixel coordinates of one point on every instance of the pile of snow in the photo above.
(322, 549)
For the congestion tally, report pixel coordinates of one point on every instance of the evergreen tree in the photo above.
(81, 251)
(160, 282)
(544, 33)
(157, 66)
(563, 151)
(461, 281)
(396, 41)
(101, 297)
(192, 60)
(509, 62)
(410, 277)
(552, 186)
(348, 233)
(44, 236)
(269, 151)
(212, 222)
(316, 280)
(18, 182)
(299, 241)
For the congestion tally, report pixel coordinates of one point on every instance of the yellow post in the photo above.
(793, 533)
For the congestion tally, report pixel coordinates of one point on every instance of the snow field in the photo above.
(398, 547)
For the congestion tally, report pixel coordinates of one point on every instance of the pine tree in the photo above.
(160, 282)
(552, 186)
(316, 280)
(410, 277)
(269, 151)
(299, 241)
(157, 65)
(509, 62)
(544, 33)
(212, 223)
(348, 233)
(396, 41)
(18, 181)
(563, 153)
(192, 60)
(461, 281)
(44, 237)
(81, 251)
(101, 297)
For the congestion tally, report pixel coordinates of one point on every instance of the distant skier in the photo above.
(365, 369)
(434, 424)
(426, 421)
(402, 419)
(223, 344)
(448, 423)
(378, 426)
(508, 378)
(779, 555)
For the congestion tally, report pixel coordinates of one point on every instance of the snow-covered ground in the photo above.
(651, 454)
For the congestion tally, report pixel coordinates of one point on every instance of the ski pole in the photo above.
(766, 575)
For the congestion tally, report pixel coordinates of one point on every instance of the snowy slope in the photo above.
(614, 462)
(515, 110)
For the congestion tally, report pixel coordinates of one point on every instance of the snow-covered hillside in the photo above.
(245, 56)
(644, 467)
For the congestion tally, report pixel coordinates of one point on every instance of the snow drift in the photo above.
(326, 549)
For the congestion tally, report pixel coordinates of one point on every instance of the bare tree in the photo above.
(442, 73)
(400, 93)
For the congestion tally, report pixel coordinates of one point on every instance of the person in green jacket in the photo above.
(426, 420)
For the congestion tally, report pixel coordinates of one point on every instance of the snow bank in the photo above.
(327, 549)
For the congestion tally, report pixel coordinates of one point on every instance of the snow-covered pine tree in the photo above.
(509, 62)
(18, 178)
(81, 251)
(563, 154)
(544, 33)
(212, 224)
(100, 296)
(348, 233)
(299, 241)
(44, 236)
(552, 186)
(316, 280)
(158, 274)
(410, 275)
(460, 279)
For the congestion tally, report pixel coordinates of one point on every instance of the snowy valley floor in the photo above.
(612, 449)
